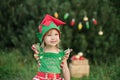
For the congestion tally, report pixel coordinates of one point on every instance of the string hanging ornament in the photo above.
(87, 25)
(66, 15)
(94, 18)
(94, 21)
(56, 15)
(86, 22)
(100, 32)
(85, 18)
(72, 23)
(80, 26)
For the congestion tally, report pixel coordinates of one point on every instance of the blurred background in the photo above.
(92, 27)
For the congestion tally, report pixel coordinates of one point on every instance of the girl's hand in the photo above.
(34, 48)
(64, 61)
(39, 64)
(67, 53)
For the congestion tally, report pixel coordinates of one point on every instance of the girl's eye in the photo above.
(48, 35)
(56, 34)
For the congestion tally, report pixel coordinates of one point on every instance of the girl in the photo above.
(51, 60)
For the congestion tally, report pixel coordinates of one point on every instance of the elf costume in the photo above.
(49, 62)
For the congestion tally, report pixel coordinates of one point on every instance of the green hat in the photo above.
(47, 24)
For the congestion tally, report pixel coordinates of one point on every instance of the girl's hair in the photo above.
(43, 43)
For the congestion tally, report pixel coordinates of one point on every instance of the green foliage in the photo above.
(19, 21)
(15, 66)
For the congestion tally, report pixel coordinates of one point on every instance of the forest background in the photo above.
(92, 27)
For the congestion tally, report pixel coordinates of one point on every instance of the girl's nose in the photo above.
(53, 37)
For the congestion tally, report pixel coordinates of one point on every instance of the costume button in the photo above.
(41, 57)
(59, 58)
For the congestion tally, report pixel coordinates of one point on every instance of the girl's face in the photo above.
(52, 38)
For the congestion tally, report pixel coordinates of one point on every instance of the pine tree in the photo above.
(19, 21)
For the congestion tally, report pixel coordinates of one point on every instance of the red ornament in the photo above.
(81, 58)
(94, 21)
(74, 58)
(72, 23)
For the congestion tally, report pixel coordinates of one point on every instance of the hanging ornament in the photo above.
(56, 14)
(86, 22)
(66, 15)
(80, 26)
(72, 23)
(85, 18)
(94, 21)
(100, 32)
(87, 25)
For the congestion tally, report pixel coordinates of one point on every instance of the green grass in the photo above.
(16, 66)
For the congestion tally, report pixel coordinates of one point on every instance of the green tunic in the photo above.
(50, 62)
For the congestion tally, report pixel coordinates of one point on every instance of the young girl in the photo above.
(51, 59)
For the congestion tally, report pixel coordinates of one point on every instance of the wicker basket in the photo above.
(79, 68)
(80, 62)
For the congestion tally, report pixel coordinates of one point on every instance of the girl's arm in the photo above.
(66, 72)
(34, 48)
(36, 52)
